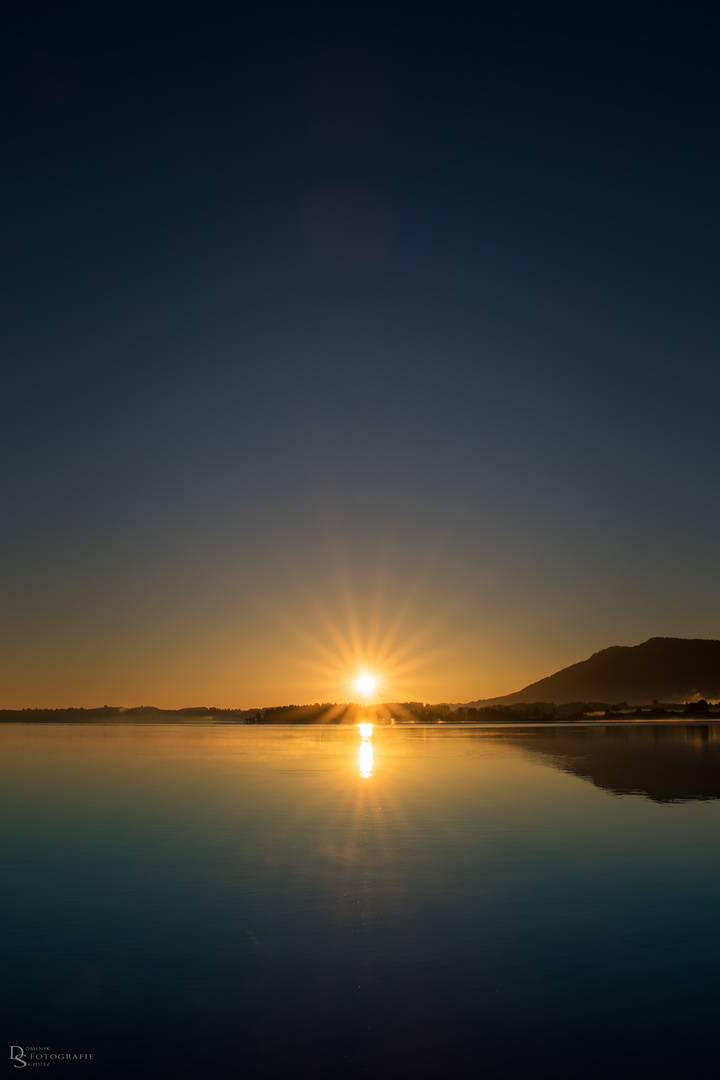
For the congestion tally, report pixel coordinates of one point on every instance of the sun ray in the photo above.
(361, 624)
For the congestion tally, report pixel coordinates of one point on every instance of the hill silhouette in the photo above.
(661, 669)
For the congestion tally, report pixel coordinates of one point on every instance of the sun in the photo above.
(366, 684)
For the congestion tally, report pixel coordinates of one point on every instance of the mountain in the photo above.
(661, 669)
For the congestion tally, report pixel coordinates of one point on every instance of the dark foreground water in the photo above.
(190, 901)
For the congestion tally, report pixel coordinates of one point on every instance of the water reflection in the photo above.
(366, 750)
(664, 763)
(229, 893)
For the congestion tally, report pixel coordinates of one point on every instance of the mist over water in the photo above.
(261, 902)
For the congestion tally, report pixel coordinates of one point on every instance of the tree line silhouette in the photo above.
(406, 712)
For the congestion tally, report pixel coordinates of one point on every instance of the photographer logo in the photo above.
(42, 1056)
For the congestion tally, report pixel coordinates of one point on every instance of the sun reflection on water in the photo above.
(366, 750)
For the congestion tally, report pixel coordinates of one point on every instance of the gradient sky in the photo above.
(379, 337)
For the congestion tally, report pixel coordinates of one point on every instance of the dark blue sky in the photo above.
(383, 337)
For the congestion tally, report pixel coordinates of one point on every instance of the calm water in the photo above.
(191, 901)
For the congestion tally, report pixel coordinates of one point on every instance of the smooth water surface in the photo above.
(200, 901)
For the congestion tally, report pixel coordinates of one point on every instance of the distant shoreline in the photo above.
(351, 715)
(470, 726)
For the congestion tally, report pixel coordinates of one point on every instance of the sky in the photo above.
(342, 338)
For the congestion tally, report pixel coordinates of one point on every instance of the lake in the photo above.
(268, 902)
